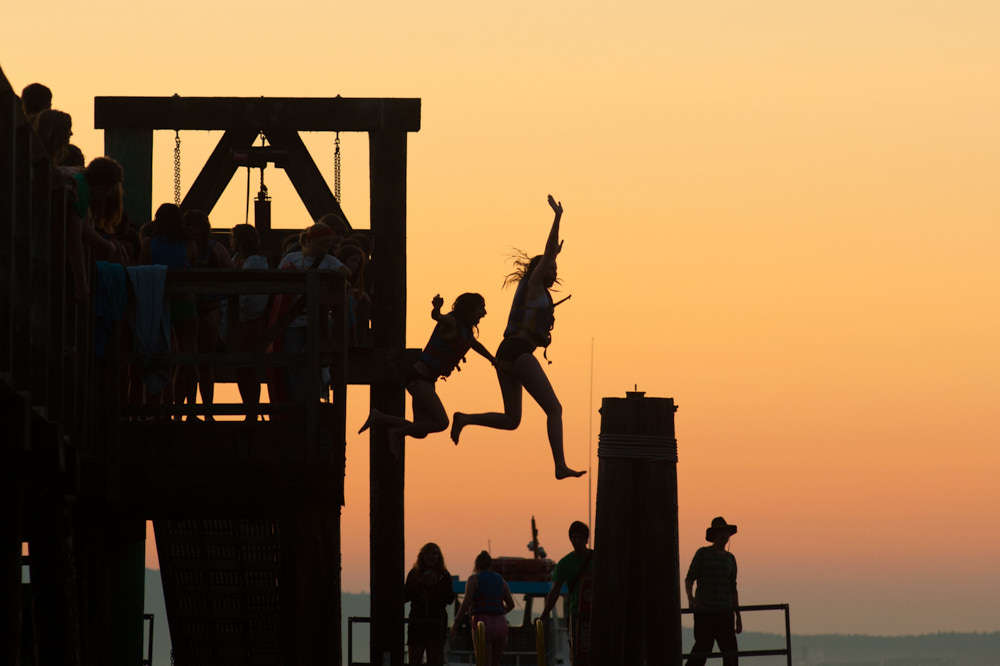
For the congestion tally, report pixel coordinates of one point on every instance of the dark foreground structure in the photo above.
(246, 513)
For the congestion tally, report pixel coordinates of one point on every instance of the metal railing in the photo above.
(786, 651)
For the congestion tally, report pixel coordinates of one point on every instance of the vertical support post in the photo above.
(125, 552)
(10, 113)
(133, 149)
(309, 585)
(53, 577)
(11, 531)
(636, 616)
(387, 152)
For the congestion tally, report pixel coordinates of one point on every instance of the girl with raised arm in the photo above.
(529, 326)
(453, 336)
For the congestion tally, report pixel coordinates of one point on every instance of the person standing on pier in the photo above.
(575, 571)
(488, 597)
(428, 589)
(529, 326)
(715, 602)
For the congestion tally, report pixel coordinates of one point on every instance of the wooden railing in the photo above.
(322, 299)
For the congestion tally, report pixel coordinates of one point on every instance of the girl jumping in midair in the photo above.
(453, 336)
(532, 315)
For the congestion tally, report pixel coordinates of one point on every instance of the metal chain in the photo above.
(336, 168)
(177, 167)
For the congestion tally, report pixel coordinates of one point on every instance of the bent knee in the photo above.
(440, 424)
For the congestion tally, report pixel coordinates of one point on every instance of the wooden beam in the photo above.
(387, 152)
(133, 149)
(218, 171)
(327, 114)
(304, 174)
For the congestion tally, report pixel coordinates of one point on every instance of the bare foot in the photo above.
(368, 422)
(457, 423)
(566, 472)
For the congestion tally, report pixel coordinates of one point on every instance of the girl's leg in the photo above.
(435, 653)
(537, 384)
(495, 649)
(429, 414)
(510, 389)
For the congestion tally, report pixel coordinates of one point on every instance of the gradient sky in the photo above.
(782, 214)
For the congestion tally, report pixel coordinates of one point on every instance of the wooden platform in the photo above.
(225, 468)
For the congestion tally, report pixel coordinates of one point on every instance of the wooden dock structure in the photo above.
(246, 513)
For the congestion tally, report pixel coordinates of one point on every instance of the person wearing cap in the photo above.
(715, 602)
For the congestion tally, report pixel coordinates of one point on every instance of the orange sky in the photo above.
(781, 214)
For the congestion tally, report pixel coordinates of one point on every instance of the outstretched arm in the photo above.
(446, 321)
(552, 248)
(483, 351)
(437, 303)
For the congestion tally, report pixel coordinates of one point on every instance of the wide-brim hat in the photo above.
(719, 524)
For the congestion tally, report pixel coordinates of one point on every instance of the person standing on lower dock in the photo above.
(715, 602)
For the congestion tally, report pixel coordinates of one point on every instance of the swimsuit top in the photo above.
(536, 318)
(441, 355)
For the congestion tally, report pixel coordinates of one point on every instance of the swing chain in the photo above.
(177, 167)
(336, 168)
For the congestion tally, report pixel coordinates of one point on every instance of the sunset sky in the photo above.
(782, 214)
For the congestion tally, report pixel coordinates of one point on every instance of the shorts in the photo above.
(513, 348)
(495, 624)
(413, 375)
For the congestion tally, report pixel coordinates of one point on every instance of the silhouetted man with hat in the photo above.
(715, 601)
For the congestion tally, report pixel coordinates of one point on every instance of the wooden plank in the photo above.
(10, 112)
(42, 271)
(21, 363)
(218, 171)
(327, 114)
(369, 365)
(132, 148)
(309, 183)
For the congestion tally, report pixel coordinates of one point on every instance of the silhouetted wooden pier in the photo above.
(246, 513)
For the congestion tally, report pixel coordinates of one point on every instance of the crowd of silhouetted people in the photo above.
(131, 258)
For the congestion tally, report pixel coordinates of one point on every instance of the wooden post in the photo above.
(11, 525)
(133, 149)
(10, 114)
(387, 152)
(309, 585)
(636, 616)
(53, 577)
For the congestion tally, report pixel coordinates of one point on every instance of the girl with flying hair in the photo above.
(532, 315)
(453, 336)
